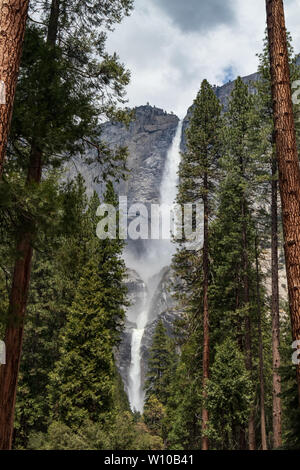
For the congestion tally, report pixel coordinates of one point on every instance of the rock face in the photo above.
(148, 139)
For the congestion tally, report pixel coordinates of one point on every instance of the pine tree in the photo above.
(184, 406)
(232, 243)
(57, 112)
(287, 156)
(230, 395)
(238, 120)
(267, 157)
(82, 384)
(199, 165)
(56, 272)
(158, 367)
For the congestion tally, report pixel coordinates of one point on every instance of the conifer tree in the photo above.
(184, 406)
(199, 166)
(56, 271)
(159, 365)
(67, 82)
(267, 157)
(287, 156)
(82, 383)
(233, 232)
(230, 395)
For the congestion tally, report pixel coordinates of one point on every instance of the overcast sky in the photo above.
(170, 46)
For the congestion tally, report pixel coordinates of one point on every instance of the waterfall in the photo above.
(136, 394)
(168, 189)
(158, 256)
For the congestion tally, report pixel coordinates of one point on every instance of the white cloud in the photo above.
(168, 62)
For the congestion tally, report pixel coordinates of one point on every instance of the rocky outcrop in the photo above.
(148, 139)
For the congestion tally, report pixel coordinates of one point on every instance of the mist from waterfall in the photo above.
(157, 256)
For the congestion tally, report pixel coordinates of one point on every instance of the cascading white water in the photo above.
(160, 256)
(135, 392)
(168, 189)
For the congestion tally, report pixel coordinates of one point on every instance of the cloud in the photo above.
(198, 15)
(168, 64)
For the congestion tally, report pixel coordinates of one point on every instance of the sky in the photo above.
(170, 46)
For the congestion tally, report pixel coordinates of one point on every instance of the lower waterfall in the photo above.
(158, 256)
(136, 394)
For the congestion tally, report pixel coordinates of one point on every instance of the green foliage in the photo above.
(229, 396)
(82, 383)
(154, 414)
(185, 401)
(159, 366)
(289, 395)
(122, 433)
(203, 147)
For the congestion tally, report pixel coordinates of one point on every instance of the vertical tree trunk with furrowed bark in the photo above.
(20, 287)
(248, 339)
(287, 157)
(261, 355)
(277, 432)
(13, 15)
(17, 307)
(205, 443)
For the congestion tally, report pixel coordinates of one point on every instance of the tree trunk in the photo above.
(14, 331)
(13, 16)
(277, 432)
(248, 342)
(287, 156)
(20, 287)
(205, 443)
(53, 23)
(261, 356)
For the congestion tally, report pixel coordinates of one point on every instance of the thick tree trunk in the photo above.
(287, 156)
(277, 430)
(20, 287)
(14, 331)
(205, 417)
(13, 16)
(261, 356)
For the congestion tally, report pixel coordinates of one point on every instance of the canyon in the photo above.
(154, 139)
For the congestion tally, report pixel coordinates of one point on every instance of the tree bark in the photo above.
(287, 157)
(20, 287)
(205, 417)
(248, 341)
(53, 23)
(261, 355)
(13, 16)
(277, 429)
(14, 331)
